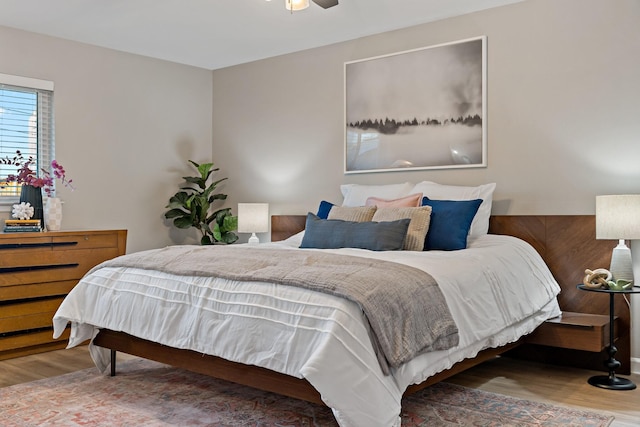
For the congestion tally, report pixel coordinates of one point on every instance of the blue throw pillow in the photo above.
(450, 223)
(323, 209)
(334, 233)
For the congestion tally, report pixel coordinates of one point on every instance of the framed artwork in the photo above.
(418, 109)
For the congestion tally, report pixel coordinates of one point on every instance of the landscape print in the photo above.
(419, 109)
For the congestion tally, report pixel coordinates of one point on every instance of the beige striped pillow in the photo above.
(355, 214)
(418, 227)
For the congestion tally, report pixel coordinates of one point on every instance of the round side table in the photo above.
(611, 381)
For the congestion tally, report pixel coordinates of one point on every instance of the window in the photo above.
(26, 124)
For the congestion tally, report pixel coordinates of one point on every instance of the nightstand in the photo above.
(577, 331)
(610, 381)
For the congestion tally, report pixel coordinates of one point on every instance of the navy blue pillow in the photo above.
(450, 223)
(323, 209)
(334, 233)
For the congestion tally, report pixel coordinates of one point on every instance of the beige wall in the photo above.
(563, 126)
(563, 112)
(125, 127)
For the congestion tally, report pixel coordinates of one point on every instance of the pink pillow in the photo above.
(410, 201)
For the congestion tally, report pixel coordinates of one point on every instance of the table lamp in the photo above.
(618, 217)
(253, 218)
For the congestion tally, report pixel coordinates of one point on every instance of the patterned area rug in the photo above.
(146, 393)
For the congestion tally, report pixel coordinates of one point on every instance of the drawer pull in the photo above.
(36, 267)
(35, 245)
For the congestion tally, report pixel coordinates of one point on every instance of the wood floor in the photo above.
(545, 383)
(557, 385)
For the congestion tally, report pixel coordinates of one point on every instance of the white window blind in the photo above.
(26, 124)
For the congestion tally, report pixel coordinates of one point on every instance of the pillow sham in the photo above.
(357, 194)
(418, 226)
(410, 201)
(450, 223)
(354, 214)
(335, 234)
(435, 191)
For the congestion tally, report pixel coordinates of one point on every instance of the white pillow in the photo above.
(480, 223)
(357, 194)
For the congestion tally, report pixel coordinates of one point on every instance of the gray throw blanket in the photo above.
(404, 306)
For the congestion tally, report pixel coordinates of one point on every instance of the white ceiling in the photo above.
(218, 33)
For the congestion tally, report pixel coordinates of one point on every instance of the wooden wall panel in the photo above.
(531, 229)
(568, 245)
(283, 226)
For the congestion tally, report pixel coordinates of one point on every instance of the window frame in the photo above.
(45, 126)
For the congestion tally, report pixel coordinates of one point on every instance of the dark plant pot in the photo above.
(33, 195)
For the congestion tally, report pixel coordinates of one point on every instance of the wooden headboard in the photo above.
(568, 245)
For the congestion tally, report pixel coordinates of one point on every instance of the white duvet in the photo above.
(497, 289)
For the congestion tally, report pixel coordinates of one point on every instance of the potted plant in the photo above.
(190, 208)
(32, 186)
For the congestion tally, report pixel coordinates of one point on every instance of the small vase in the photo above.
(53, 214)
(33, 195)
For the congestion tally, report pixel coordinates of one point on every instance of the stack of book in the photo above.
(22, 225)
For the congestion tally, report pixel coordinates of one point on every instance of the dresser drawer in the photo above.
(16, 342)
(17, 244)
(38, 266)
(35, 341)
(35, 290)
(28, 315)
(85, 241)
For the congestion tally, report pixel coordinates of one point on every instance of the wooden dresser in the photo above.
(37, 270)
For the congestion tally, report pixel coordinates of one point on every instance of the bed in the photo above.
(323, 352)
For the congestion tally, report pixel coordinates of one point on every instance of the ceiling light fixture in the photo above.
(295, 5)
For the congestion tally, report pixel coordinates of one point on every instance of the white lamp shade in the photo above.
(296, 4)
(253, 217)
(618, 217)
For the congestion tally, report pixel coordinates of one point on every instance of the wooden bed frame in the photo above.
(566, 243)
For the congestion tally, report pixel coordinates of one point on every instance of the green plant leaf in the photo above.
(230, 223)
(217, 234)
(215, 183)
(217, 197)
(175, 205)
(228, 238)
(194, 180)
(178, 199)
(205, 170)
(173, 213)
(182, 222)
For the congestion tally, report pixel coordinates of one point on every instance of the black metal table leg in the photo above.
(610, 381)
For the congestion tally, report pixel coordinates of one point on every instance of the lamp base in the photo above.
(621, 265)
(253, 240)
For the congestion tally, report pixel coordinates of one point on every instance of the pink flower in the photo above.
(27, 176)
